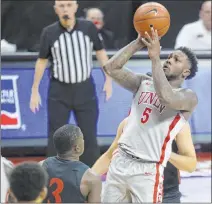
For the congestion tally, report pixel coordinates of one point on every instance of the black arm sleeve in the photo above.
(95, 38)
(44, 45)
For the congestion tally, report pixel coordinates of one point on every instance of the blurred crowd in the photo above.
(21, 25)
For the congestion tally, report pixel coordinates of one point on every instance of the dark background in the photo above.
(22, 21)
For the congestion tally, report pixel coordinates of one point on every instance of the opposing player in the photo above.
(171, 180)
(28, 183)
(159, 110)
(70, 181)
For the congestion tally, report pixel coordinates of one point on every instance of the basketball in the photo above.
(151, 14)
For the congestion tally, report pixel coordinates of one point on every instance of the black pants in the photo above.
(81, 99)
(172, 195)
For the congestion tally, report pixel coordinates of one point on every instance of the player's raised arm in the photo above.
(102, 164)
(183, 100)
(186, 159)
(123, 76)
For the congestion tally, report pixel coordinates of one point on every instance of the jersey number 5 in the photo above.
(145, 115)
(58, 190)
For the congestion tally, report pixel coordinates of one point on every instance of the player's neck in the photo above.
(74, 158)
(71, 157)
(175, 83)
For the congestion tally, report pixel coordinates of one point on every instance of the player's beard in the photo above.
(172, 77)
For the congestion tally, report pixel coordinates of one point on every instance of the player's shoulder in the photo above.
(144, 77)
(44, 163)
(190, 94)
(188, 91)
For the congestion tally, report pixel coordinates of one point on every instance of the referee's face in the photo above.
(66, 9)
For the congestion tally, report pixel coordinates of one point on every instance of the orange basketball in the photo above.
(151, 14)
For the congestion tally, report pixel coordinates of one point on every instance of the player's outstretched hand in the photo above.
(152, 43)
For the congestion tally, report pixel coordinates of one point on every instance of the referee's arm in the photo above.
(40, 67)
(102, 57)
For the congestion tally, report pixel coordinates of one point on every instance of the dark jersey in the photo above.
(64, 180)
(171, 173)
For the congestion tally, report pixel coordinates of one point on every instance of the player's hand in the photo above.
(152, 43)
(139, 41)
(35, 101)
(108, 89)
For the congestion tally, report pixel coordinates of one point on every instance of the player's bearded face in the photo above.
(175, 66)
(172, 70)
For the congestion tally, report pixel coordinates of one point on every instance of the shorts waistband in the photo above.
(129, 155)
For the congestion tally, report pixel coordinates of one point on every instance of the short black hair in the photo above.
(27, 181)
(65, 137)
(192, 59)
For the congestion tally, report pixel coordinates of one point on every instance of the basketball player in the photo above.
(28, 182)
(6, 168)
(171, 181)
(159, 110)
(70, 181)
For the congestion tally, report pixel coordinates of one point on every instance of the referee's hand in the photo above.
(108, 89)
(35, 101)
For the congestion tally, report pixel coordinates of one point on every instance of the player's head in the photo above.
(65, 10)
(96, 16)
(181, 64)
(68, 141)
(205, 14)
(28, 182)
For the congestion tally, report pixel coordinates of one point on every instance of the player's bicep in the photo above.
(184, 142)
(94, 195)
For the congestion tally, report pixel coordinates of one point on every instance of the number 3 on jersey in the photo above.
(145, 115)
(59, 188)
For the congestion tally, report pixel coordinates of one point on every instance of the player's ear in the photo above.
(77, 148)
(186, 73)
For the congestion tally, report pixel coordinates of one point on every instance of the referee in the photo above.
(68, 44)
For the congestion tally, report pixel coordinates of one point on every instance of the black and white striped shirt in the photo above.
(70, 53)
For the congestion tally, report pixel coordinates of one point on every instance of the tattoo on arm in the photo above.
(115, 67)
(184, 100)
